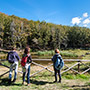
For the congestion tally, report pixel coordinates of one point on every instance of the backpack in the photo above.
(23, 61)
(11, 57)
(59, 63)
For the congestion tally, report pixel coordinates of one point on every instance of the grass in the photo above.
(71, 53)
(76, 53)
(44, 81)
(77, 76)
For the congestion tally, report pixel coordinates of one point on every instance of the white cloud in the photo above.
(85, 25)
(76, 20)
(85, 15)
(86, 21)
(82, 21)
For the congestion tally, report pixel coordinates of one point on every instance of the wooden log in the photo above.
(70, 68)
(4, 73)
(4, 65)
(63, 60)
(85, 71)
(85, 64)
(43, 66)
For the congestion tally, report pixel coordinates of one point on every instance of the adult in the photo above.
(26, 68)
(54, 59)
(13, 59)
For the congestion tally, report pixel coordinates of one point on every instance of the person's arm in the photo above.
(54, 58)
(17, 56)
(30, 59)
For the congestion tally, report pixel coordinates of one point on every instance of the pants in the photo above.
(57, 71)
(15, 67)
(27, 71)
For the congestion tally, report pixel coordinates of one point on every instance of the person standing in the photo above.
(56, 70)
(25, 62)
(13, 59)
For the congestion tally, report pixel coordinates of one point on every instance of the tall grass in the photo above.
(66, 54)
(43, 53)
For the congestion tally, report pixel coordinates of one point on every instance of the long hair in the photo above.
(27, 50)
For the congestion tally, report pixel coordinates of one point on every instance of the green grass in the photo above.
(43, 53)
(75, 53)
(71, 53)
(77, 76)
(44, 81)
(51, 53)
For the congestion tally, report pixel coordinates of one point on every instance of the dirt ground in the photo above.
(72, 84)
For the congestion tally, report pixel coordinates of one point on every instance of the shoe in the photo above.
(54, 81)
(23, 83)
(59, 81)
(28, 84)
(14, 80)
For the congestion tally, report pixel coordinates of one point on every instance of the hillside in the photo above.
(19, 32)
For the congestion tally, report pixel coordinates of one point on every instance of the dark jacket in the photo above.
(55, 58)
(17, 58)
(29, 59)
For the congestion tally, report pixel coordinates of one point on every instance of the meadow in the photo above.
(44, 80)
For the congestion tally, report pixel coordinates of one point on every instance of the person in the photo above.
(14, 57)
(26, 68)
(54, 58)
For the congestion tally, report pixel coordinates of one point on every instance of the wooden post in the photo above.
(78, 66)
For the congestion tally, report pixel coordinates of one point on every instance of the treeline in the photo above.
(19, 32)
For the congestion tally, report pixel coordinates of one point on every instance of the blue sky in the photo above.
(64, 12)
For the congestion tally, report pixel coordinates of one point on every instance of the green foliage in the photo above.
(16, 31)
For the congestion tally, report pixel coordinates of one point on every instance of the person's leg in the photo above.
(59, 74)
(15, 71)
(55, 75)
(28, 75)
(10, 72)
(24, 77)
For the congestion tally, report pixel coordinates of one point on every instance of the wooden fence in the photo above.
(77, 63)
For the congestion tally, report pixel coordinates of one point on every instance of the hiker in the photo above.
(25, 63)
(57, 68)
(13, 59)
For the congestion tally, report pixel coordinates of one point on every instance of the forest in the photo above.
(20, 32)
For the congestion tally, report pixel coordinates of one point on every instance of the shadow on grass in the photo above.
(40, 82)
(81, 87)
(4, 82)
